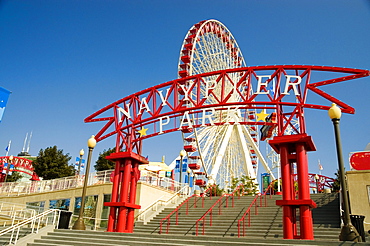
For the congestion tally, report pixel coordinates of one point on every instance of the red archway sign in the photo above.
(168, 107)
(20, 164)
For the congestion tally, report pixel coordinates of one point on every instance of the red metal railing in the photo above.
(211, 190)
(239, 191)
(261, 198)
(210, 212)
(176, 210)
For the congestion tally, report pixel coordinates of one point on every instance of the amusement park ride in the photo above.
(223, 109)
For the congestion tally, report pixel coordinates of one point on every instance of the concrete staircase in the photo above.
(5, 239)
(267, 224)
(266, 227)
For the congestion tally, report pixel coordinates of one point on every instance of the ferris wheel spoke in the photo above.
(221, 152)
(248, 167)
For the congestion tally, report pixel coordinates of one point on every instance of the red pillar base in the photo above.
(292, 149)
(122, 205)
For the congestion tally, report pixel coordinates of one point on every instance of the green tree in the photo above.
(104, 164)
(214, 190)
(248, 186)
(51, 163)
(14, 177)
(336, 183)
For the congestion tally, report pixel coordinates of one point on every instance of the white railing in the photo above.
(11, 213)
(29, 187)
(96, 178)
(145, 215)
(165, 183)
(148, 213)
(34, 223)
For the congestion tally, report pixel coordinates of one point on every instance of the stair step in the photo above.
(135, 239)
(266, 227)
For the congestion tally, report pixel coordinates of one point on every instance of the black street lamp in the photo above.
(317, 177)
(82, 152)
(348, 231)
(79, 224)
(182, 154)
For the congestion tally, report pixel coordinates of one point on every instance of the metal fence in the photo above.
(96, 178)
(29, 187)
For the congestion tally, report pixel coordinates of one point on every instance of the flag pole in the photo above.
(8, 147)
(320, 167)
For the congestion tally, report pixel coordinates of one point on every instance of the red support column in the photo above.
(114, 198)
(304, 192)
(288, 190)
(293, 149)
(125, 183)
(121, 217)
(135, 175)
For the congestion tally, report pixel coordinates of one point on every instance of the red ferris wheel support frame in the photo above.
(167, 107)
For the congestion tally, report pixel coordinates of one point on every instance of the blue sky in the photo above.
(65, 59)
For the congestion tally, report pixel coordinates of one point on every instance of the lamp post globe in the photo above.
(348, 231)
(182, 154)
(91, 143)
(79, 224)
(317, 177)
(335, 112)
(82, 152)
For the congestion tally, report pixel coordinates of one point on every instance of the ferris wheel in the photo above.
(223, 152)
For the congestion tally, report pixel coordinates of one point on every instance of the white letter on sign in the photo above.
(121, 111)
(143, 105)
(264, 84)
(209, 116)
(210, 85)
(187, 92)
(164, 100)
(294, 85)
(161, 123)
(185, 119)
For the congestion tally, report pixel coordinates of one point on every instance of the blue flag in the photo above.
(177, 168)
(4, 95)
(184, 165)
(5, 166)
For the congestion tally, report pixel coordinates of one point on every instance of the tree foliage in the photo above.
(51, 163)
(102, 163)
(214, 190)
(336, 183)
(14, 177)
(247, 186)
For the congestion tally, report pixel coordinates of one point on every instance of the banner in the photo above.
(265, 181)
(77, 163)
(177, 167)
(4, 95)
(184, 165)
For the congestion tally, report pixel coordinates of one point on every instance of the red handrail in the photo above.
(176, 210)
(248, 211)
(210, 190)
(210, 212)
